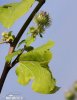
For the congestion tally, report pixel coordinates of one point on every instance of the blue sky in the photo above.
(64, 63)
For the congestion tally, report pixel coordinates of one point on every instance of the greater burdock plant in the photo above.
(32, 63)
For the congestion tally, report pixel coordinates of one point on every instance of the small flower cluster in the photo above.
(42, 21)
(72, 94)
(7, 37)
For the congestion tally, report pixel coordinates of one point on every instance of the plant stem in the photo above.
(4, 75)
(6, 69)
(7, 66)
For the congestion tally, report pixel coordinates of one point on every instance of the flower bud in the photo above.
(8, 37)
(5, 34)
(43, 19)
(70, 95)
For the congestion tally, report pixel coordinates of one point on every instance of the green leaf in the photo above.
(34, 65)
(9, 13)
(46, 46)
(10, 33)
(10, 56)
(29, 40)
(23, 41)
(43, 79)
(41, 54)
(55, 89)
(29, 48)
(43, 57)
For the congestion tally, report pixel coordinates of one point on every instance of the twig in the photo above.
(1, 42)
(16, 59)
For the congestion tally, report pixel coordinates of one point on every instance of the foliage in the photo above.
(9, 13)
(34, 65)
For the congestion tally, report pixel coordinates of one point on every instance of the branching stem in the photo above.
(8, 66)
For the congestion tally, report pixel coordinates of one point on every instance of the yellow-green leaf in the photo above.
(33, 65)
(43, 81)
(9, 13)
(41, 54)
(29, 40)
